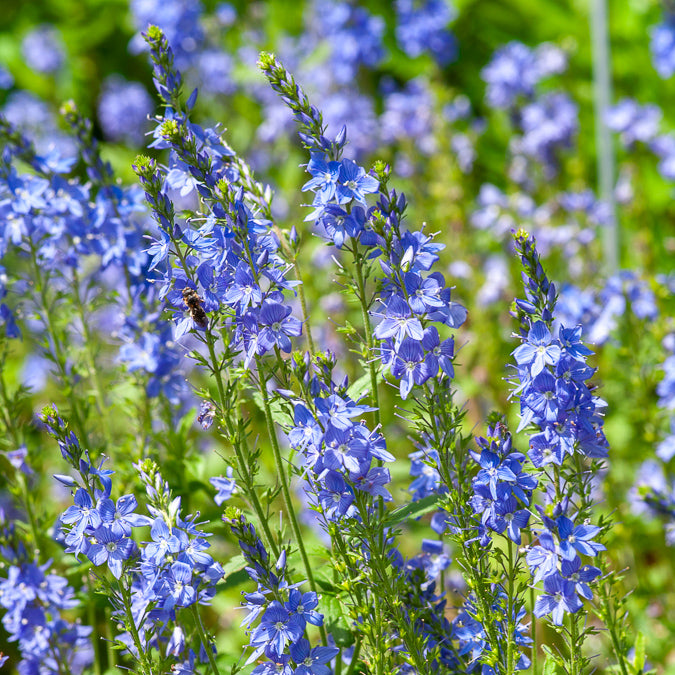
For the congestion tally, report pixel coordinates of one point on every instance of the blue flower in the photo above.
(662, 46)
(178, 586)
(112, 547)
(424, 295)
(277, 628)
(243, 289)
(410, 366)
(163, 542)
(43, 49)
(543, 558)
(579, 576)
(324, 178)
(225, 486)
(633, 121)
(538, 350)
(120, 516)
(123, 110)
(306, 429)
(83, 514)
(312, 661)
(304, 605)
(577, 538)
(422, 27)
(336, 498)
(373, 482)
(559, 597)
(398, 322)
(276, 327)
(354, 183)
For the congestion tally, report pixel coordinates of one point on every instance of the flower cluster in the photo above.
(283, 612)
(556, 560)
(599, 312)
(655, 484)
(412, 351)
(340, 455)
(422, 27)
(426, 604)
(633, 121)
(640, 124)
(548, 121)
(566, 223)
(412, 301)
(515, 70)
(123, 110)
(227, 259)
(502, 490)
(172, 570)
(34, 597)
(354, 35)
(566, 420)
(43, 49)
(552, 375)
(472, 636)
(663, 46)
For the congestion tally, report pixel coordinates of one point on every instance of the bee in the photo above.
(194, 304)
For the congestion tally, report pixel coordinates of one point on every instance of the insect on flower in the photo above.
(194, 304)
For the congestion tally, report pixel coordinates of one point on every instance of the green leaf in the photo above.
(640, 654)
(237, 563)
(324, 579)
(234, 579)
(275, 405)
(412, 511)
(553, 665)
(550, 666)
(360, 387)
(336, 622)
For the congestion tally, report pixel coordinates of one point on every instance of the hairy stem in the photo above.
(285, 491)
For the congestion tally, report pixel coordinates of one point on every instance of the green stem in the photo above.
(285, 491)
(303, 305)
(110, 643)
(59, 356)
(146, 666)
(608, 617)
(384, 592)
(602, 99)
(93, 372)
(91, 617)
(234, 434)
(574, 646)
(145, 419)
(291, 255)
(355, 656)
(533, 624)
(205, 640)
(361, 286)
(510, 651)
(10, 426)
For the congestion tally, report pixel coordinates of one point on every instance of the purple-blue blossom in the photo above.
(662, 45)
(43, 49)
(123, 110)
(634, 122)
(423, 27)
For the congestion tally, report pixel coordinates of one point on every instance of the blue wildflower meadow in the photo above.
(318, 434)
